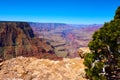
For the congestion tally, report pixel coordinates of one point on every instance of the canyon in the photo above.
(65, 38)
(43, 51)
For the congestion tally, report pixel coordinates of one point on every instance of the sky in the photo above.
(59, 11)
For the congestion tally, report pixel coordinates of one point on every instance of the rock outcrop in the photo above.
(22, 68)
(17, 39)
(83, 51)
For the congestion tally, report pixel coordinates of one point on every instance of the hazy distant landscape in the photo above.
(65, 38)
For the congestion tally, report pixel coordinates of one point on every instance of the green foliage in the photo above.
(92, 73)
(117, 16)
(105, 48)
(89, 59)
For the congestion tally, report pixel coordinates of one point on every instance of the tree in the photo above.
(104, 60)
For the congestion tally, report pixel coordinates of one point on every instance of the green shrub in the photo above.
(105, 47)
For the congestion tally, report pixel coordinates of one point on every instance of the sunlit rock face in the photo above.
(83, 51)
(17, 39)
(22, 68)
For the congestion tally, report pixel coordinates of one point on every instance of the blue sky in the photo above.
(59, 11)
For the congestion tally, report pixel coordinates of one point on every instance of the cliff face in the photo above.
(17, 38)
(11, 31)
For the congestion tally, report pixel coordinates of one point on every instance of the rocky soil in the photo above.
(29, 68)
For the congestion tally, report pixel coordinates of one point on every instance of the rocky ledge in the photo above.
(29, 68)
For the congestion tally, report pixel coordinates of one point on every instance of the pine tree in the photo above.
(104, 60)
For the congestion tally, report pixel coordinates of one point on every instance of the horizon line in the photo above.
(51, 22)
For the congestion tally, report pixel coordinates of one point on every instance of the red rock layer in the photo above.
(17, 39)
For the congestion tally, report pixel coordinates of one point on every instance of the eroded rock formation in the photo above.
(17, 38)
